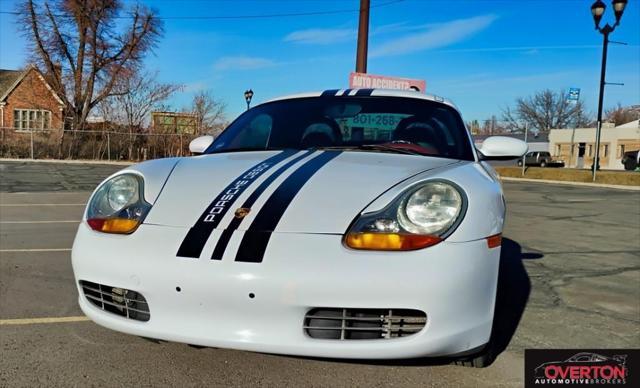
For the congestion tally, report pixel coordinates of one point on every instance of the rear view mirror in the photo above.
(200, 144)
(502, 148)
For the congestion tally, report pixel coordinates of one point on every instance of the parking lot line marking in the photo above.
(41, 222)
(33, 321)
(36, 250)
(40, 204)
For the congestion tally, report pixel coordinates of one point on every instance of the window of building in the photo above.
(590, 151)
(558, 150)
(31, 119)
(605, 152)
(620, 150)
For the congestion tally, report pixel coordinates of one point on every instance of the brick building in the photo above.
(27, 101)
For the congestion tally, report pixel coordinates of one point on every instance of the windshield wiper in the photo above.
(244, 149)
(383, 147)
(372, 147)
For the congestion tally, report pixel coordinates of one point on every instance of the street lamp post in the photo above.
(248, 95)
(597, 10)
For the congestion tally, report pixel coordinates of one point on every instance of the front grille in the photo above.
(126, 303)
(355, 324)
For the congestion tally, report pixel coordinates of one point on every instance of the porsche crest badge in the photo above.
(241, 212)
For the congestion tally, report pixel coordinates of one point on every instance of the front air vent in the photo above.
(355, 324)
(119, 301)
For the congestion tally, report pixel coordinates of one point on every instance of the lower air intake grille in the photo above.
(126, 303)
(355, 324)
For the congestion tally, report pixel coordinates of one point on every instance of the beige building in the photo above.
(577, 146)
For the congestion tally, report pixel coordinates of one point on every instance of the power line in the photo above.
(237, 17)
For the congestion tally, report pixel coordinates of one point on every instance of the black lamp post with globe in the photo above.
(248, 95)
(597, 10)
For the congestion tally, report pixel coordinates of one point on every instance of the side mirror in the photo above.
(502, 148)
(200, 144)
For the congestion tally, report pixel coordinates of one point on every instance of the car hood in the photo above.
(314, 192)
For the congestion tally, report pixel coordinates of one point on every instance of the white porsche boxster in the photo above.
(346, 224)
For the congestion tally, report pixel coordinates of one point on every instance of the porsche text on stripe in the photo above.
(198, 235)
(222, 243)
(255, 240)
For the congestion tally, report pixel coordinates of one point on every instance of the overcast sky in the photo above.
(481, 54)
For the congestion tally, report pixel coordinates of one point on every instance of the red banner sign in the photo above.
(370, 81)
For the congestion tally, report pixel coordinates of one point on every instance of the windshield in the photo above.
(380, 124)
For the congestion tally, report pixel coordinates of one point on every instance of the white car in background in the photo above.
(348, 223)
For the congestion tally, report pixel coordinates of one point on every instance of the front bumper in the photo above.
(453, 283)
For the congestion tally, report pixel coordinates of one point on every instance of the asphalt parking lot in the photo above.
(570, 278)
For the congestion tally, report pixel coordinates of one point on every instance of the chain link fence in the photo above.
(107, 145)
(121, 145)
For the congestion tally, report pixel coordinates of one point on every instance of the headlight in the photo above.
(118, 206)
(420, 217)
(431, 209)
(122, 191)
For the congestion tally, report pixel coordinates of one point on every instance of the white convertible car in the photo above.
(349, 223)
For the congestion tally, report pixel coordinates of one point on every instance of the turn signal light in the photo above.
(113, 225)
(494, 241)
(390, 241)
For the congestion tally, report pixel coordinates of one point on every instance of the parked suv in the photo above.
(540, 158)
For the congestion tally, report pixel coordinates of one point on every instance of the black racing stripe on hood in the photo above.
(223, 241)
(364, 92)
(256, 238)
(329, 93)
(199, 233)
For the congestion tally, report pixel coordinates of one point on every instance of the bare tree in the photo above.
(210, 113)
(140, 93)
(492, 127)
(545, 110)
(136, 96)
(85, 49)
(621, 115)
(108, 110)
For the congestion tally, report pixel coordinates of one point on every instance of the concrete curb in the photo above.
(63, 161)
(567, 183)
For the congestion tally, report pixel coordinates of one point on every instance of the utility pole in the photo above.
(363, 37)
